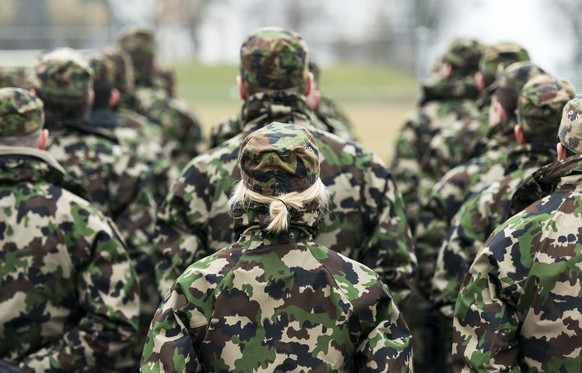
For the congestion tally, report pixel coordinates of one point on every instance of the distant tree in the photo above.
(570, 14)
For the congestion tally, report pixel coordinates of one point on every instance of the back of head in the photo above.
(503, 54)
(21, 113)
(139, 43)
(540, 106)
(570, 131)
(315, 70)
(273, 58)
(463, 55)
(123, 77)
(510, 81)
(63, 79)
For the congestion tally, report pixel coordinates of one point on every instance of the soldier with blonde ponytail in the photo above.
(276, 299)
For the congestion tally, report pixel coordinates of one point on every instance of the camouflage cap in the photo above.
(137, 39)
(124, 79)
(15, 77)
(21, 113)
(463, 55)
(274, 58)
(103, 69)
(315, 70)
(64, 74)
(508, 85)
(503, 53)
(279, 158)
(570, 131)
(540, 107)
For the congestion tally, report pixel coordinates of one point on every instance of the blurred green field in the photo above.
(375, 98)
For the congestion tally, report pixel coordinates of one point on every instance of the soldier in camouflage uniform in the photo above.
(456, 186)
(115, 180)
(68, 293)
(180, 125)
(449, 95)
(330, 116)
(15, 77)
(276, 300)
(539, 111)
(132, 134)
(519, 307)
(367, 221)
(465, 139)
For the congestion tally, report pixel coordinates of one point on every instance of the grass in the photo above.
(376, 98)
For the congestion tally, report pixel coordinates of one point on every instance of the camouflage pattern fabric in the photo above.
(368, 226)
(439, 107)
(225, 130)
(261, 310)
(273, 58)
(69, 298)
(455, 187)
(334, 118)
(518, 309)
(19, 76)
(63, 74)
(570, 131)
(463, 55)
(279, 159)
(182, 135)
(20, 112)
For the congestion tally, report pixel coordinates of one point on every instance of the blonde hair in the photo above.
(279, 206)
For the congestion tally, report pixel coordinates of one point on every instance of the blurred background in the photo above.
(373, 53)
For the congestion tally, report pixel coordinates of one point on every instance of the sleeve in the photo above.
(176, 329)
(390, 250)
(109, 297)
(181, 225)
(486, 322)
(387, 342)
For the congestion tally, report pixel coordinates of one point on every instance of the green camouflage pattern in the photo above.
(278, 159)
(465, 139)
(15, 76)
(123, 74)
(64, 74)
(137, 39)
(274, 58)
(471, 226)
(540, 105)
(367, 222)
(518, 308)
(182, 135)
(69, 296)
(463, 55)
(104, 69)
(500, 54)
(329, 115)
(510, 82)
(570, 130)
(281, 303)
(21, 113)
(439, 108)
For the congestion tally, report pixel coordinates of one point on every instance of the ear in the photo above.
(114, 97)
(518, 132)
(561, 151)
(479, 81)
(242, 90)
(43, 139)
(308, 85)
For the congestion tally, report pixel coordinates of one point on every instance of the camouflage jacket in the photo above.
(181, 128)
(132, 135)
(118, 184)
(68, 292)
(519, 307)
(329, 118)
(451, 192)
(477, 219)
(439, 109)
(367, 221)
(277, 303)
(463, 140)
